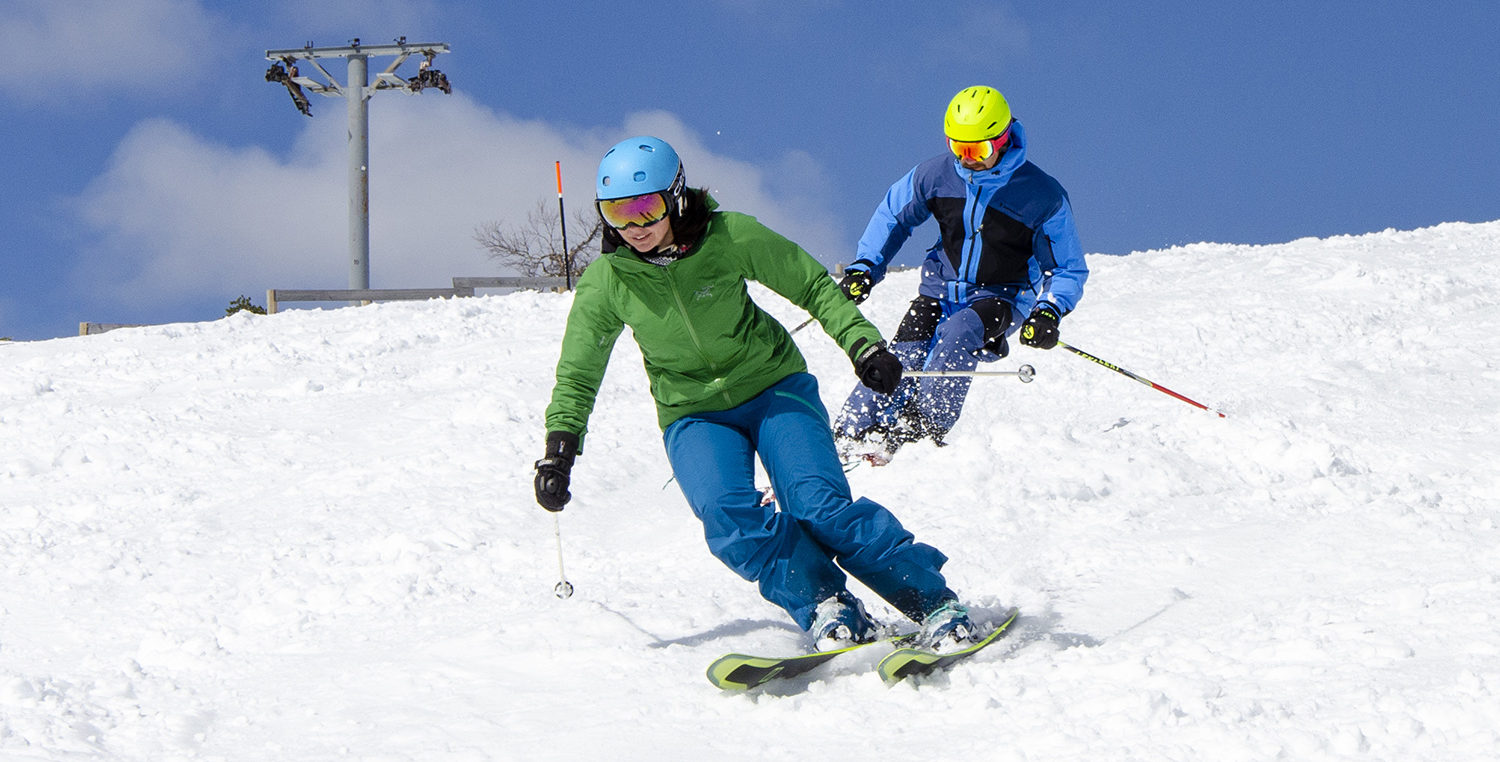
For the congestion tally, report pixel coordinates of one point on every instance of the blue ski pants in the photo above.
(937, 333)
(794, 549)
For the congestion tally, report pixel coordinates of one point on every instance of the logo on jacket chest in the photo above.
(703, 293)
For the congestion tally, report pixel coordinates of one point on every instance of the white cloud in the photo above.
(399, 15)
(791, 208)
(177, 215)
(87, 47)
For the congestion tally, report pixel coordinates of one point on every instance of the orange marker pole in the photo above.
(562, 220)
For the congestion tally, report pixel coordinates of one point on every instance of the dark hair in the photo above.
(689, 222)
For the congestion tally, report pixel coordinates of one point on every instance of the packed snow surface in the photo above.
(313, 536)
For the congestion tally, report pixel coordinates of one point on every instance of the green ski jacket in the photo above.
(707, 346)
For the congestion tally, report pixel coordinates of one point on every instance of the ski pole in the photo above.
(1132, 376)
(1026, 373)
(563, 588)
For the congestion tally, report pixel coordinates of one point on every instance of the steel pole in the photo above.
(1026, 373)
(357, 93)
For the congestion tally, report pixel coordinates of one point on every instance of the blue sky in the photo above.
(153, 175)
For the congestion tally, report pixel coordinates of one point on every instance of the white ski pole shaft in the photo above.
(1026, 373)
(563, 588)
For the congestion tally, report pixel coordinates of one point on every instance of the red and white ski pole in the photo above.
(1132, 376)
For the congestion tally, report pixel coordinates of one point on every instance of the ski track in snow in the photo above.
(313, 536)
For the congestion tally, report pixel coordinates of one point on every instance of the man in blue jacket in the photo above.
(1008, 253)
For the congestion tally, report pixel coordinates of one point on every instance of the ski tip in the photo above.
(1002, 624)
(911, 662)
(722, 672)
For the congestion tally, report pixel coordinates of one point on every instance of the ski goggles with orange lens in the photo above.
(620, 213)
(979, 150)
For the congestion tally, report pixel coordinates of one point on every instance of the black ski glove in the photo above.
(856, 285)
(1040, 330)
(878, 369)
(553, 473)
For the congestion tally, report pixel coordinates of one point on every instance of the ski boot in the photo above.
(840, 621)
(948, 628)
(876, 445)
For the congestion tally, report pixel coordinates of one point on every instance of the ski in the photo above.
(907, 661)
(741, 672)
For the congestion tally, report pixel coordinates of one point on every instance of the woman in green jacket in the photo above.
(729, 385)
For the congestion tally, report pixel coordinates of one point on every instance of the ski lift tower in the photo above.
(357, 93)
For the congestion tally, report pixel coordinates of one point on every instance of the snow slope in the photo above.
(312, 535)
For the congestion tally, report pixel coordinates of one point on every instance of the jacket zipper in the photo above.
(693, 335)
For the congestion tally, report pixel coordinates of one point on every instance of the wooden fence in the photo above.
(462, 286)
(91, 329)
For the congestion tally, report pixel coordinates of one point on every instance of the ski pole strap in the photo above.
(1134, 377)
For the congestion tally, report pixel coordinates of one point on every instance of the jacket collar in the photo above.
(1010, 161)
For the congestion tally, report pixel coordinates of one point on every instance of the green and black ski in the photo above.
(907, 661)
(739, 672)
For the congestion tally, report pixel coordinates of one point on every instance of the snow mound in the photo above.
(312, 535)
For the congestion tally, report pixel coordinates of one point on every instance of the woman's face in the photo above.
(648, 238)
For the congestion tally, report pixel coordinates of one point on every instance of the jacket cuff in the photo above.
(562, 444)
(862, 349)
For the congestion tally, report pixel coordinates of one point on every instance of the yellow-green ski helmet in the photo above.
(975, 114)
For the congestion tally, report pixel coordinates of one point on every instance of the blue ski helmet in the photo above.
(639, 166)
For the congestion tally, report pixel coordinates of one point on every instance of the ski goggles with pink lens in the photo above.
(620, 213)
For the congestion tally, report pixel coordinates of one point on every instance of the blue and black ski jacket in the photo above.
(1006, 232)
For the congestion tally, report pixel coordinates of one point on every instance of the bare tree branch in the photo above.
(534, 248)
